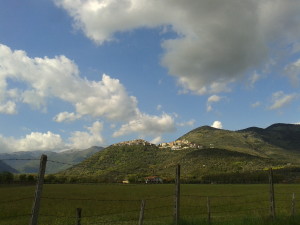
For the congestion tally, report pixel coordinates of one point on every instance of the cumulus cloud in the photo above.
(280, 99)
(53, 142)
(94, 17)
(59, 77)
(33, 141)
(93, 137)
(217, 42)
(148, 125)
(212, 99)
(217, 124)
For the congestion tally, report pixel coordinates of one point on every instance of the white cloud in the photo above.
(59, 77)
(8, 108)
(101, 19)
(279, 100)
(148, 125)
(41, 141)
(66, 116)
(33, 141)
(82, 140)
(212, 99)
(54, 142)
(218, 41)
(217, 124)
(35, 98)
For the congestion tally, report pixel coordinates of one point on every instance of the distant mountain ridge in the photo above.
(72, 156)
(6, 168)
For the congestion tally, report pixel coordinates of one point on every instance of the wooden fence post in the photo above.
(38, 191)
(208, 211)
(272, 196)
(78, 216)
(293, 205)
(177, 196)
(141, 219)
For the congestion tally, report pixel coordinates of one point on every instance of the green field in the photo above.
(114, 204)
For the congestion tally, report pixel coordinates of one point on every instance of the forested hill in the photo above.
(204, 151)
(135, 162)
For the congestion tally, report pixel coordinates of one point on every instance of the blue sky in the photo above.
(95, 72)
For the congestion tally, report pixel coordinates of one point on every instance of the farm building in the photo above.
(153, 180)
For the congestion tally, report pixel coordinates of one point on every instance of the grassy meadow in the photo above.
(114, 204)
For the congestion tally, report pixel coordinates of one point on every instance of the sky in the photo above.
(81, 73)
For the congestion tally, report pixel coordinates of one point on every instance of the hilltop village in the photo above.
(174, 145)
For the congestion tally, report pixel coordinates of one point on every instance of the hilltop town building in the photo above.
(135, 142)
(179, 145)
(174, 145)
(153, 180)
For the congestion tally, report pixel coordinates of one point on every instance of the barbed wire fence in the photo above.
(174, 208)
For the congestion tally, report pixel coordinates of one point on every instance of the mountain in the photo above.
(23, 165)
(6, 168)
(278, 141)
(201, 152)
(284, 136)
(137, 159)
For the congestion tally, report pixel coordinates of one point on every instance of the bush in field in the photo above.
(31, 178)
(50, 179)
(22, 178)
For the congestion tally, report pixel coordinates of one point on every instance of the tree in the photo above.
(6, 177)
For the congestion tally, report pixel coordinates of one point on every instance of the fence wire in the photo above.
(15, 200)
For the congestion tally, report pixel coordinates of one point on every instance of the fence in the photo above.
(53, 207)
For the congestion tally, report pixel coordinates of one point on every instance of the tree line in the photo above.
(283, 175)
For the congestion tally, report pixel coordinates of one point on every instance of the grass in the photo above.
(282, 220)
(114, 204)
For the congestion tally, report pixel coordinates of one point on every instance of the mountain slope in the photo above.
(119, 162)
(286, 136)
(279, 141)
(6, 168)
